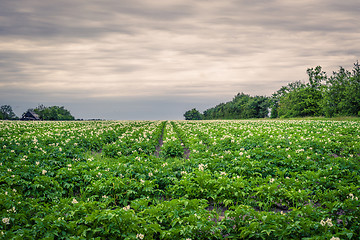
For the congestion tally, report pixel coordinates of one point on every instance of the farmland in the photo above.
(265, 179)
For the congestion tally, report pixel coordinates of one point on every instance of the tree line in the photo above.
(43, 112)
(241, 107)
(337, 95)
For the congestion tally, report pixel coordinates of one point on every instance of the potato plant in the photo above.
(265, 179)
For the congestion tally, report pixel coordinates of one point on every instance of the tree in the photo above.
(282, 95)
(53, 113)
(193, 114)
(298, 99)
(334, 99)
(6, 113)
(300, 103)
(342, 93)
(338, 95)
(353, 93)
(242, 106)
(316, 77)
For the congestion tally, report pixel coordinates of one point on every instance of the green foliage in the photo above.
(193, 114)
(7, 113)
(298, 99)
(266, 179)
(172, 145)
(342, 93)
(301, 102)
(172, 149)
(242, 106)
(53, 113)
(338, 95)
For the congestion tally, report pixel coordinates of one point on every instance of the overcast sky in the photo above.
(147, 59)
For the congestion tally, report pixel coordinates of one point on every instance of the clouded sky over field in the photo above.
(146, 59)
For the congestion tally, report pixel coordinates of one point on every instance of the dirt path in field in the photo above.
(161, 142)
(220, 210)
(158, 147)
(186, 150)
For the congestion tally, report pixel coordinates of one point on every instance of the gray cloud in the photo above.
(131, 54)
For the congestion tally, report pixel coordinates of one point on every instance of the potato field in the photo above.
(244, 179)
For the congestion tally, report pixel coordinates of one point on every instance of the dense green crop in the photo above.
(185, 180)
